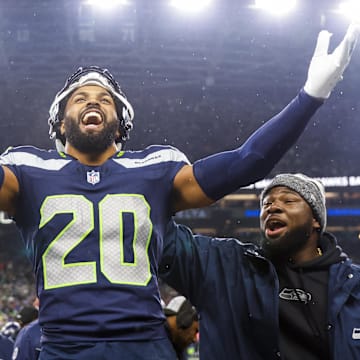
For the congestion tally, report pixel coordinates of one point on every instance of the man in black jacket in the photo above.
(295, 297)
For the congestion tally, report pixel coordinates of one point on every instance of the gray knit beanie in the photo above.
(311, 190)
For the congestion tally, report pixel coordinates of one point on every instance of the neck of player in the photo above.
(91, 159)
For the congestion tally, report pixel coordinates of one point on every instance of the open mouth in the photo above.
(274, 227)
(92, 118)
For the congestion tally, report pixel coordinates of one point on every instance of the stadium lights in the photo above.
(276, 7)
(190, 5)
(106, 4)
(350, 9)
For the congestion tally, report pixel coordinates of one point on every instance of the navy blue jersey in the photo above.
(94, 235)
(27, 343)
(6, 348)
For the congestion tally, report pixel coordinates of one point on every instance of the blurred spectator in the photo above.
(182, 324)
(26, 315)
(27, 344)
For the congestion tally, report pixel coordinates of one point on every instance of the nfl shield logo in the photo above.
(93, 177)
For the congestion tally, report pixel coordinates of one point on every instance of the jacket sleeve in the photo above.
(184, 260)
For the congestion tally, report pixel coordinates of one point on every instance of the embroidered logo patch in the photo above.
(93, 177)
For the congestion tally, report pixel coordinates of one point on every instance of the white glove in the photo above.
(326, 70)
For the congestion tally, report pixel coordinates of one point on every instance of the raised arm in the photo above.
(211, 178)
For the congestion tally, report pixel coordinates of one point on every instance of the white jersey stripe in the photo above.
(25, 158)
(157, 157)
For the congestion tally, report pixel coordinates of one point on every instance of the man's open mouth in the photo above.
(274, 227)
(92, 117)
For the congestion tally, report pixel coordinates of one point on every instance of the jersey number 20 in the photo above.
(57, 273)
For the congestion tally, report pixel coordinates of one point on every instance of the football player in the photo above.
(27, 344)
(93, 215)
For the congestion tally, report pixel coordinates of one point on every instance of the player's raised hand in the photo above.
(325, 69)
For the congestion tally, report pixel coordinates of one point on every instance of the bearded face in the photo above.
(90, 122)
(287, 223)
(90, 142)
(290, 242)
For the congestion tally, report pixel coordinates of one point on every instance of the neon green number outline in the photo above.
(112, 264)
(116, 269)
(56, 272)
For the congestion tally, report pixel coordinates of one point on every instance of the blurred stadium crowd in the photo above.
(17, 288)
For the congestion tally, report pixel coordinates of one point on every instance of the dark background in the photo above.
(201, 82)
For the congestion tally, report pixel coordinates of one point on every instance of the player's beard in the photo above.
(91, 143)
(289, 243)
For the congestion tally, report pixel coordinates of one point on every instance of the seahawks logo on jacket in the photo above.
(295, 295)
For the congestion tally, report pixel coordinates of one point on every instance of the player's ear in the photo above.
(62, 127)
(316, 225)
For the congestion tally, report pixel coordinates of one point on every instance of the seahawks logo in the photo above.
(295, 295)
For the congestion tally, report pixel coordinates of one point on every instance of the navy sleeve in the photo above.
(223, 173)
(184, 261)
(6, 347)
